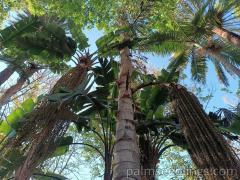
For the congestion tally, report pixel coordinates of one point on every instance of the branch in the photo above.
(166, 85)
(63, 168)
(45, 175)
(165, 148)
(100, 137)
(89, 145)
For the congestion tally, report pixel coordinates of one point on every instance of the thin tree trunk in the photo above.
(126, 164)
(229, 36)
(107, 168)
(15, 88)
(51, 121)
(209, 151)
(5, 74)
(149, 158)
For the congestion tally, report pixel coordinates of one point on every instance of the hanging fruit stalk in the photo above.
(48, 122)
(208, 149)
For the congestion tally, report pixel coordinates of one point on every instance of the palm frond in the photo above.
(24, 25)
(198, 67)
(229, 51)
(165, 48)
(228, 114)
(178, 61)
(220, 73)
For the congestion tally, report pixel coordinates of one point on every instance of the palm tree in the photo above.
(197, 130)
(201, 22)
(44, 129)
(6, 36)
(19, 84)
(215, 17)
(194, 40)
(126, 148)
(5, 74)
(34, 39)
(42, 38)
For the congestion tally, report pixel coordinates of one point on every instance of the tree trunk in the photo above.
(149, 157)
(210, 152)
(126, 163)
(5, 74)
(15, 88)
(229, 36)
(50, 122)
(107, 167)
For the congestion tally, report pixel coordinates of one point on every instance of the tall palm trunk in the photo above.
(5, 74)
(50, 122)
(126, 164)
(16, 87)
(229, 36)
(209, 151)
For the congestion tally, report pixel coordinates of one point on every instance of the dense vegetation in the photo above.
(70, 104)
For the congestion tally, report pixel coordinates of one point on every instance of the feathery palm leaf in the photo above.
(220, 73)
(198, 67)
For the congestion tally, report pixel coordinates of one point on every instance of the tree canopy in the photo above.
(72, 104)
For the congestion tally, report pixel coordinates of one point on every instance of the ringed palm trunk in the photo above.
(15, 88)
(209, 151)
(229, 36)
(52, 121)
(5, 74)
(126, 163)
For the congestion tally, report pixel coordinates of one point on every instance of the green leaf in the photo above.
(78, 35)
(5, 128)
(150, 115)
(60, 151)
(15, 116)
(159, 112)
(28, 105)
(24, 25)
(235, 127)
(65, 141)
(63, 146)
(10, 162)
(57, 97)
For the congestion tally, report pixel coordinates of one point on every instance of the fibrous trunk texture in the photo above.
(47, 124)
(16, 87)
(210, 152)
(126, 164)
(5, 74)
(229, 36)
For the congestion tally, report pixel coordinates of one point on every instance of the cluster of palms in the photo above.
(126, 111)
